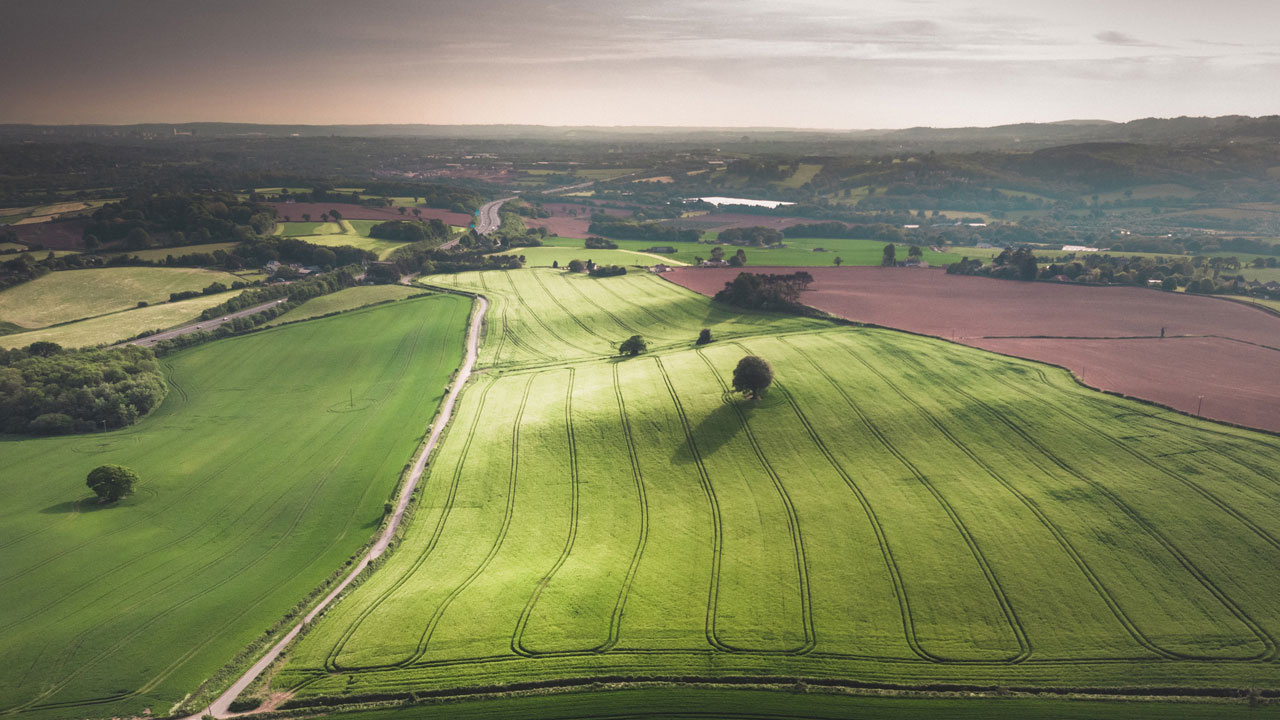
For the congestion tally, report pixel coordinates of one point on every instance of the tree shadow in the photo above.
(83, 505)
(712, 431)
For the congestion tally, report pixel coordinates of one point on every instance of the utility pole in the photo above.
(1199, 403)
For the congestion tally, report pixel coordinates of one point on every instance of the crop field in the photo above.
(73, 294)
(562, 255)
(797, 252)
(540, 316)
(344, 300)
(895, 509)
(1218, 356)
(347, 232)
(263, 471)
(119, 326)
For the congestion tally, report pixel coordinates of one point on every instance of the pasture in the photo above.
(344, 300)
(263, 471)
(68, 295)
(895, 509)
(115, 327)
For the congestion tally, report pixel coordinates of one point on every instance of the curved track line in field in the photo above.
(1269, 645)
(509, 511)
(1058, 534)
(997, 589)
(331, 660)
(220, 707)
(704, 479)
(793, 518)
(642, 308)
(573, 316)
(538, 318)
(517, 636)
(615, 622)
(599, 305)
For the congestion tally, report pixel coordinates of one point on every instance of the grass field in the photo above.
(73, 294)
(344, 300)
(803, 174)
(122, 325)
(160, 253)
(896, 509)
(347, 232)
(798, 252)
(265, 468)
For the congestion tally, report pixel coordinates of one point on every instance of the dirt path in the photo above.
(220, 708)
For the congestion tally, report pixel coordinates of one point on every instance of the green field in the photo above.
(803, 174)
(122, 325)
(160, 253)
(797, 252)
(347, 232)
(263, 471)
(895, 510)
(344, 300)
(73, 294)
(541, 316)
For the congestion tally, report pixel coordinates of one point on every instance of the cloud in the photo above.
(1114, 37)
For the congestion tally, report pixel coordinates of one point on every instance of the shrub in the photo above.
(704, 337)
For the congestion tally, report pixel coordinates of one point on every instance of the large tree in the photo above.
(752, 376)
(890, 256)
(111, 482)
(633, 346)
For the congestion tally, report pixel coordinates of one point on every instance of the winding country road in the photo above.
(220, 708)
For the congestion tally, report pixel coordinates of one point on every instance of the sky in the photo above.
(799, 63)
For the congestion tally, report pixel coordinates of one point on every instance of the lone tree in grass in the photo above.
(111, 482)
(577, 266)
(752, 376)
(704, 337)
(839, 261)
(633, 346)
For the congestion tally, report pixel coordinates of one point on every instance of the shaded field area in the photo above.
(263, 471)
(295, 211)
(116, 327)
(719, 702)
(67, 295)
(895, 510)
(1223, 350)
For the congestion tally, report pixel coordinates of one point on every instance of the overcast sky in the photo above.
(800, 63)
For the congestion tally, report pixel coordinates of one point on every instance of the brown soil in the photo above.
(56, 235)
(1228, 352)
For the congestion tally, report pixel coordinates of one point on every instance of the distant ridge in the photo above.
(1180, 130)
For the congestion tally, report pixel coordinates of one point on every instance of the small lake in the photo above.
(743, 201)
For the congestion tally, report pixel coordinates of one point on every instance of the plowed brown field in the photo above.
(1220, 357)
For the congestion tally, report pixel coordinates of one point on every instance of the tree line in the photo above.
(48, 390)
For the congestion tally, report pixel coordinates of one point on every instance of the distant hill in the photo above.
(1178, 131)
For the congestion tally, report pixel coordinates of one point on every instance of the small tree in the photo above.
(752, 376)
(633, 346)
(717, 253)
(915, 252)
(577, 266)
(838, 261)
(890, 256)
(111, 482)
(704, 337)
(739, 258)
(555, 264)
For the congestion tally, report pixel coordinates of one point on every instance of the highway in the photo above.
(488, 220)
(199, 325)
